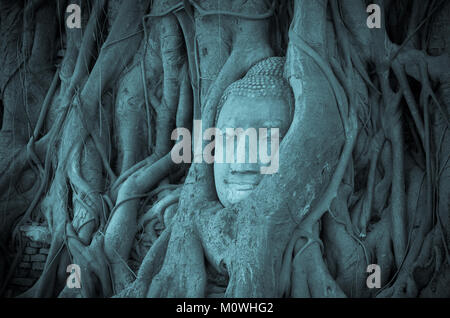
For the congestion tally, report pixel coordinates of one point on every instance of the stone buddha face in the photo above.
(235, 181)
(256, 102)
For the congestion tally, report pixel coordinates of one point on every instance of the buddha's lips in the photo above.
(242, 185)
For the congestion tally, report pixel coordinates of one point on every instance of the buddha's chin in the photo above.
(237, 193)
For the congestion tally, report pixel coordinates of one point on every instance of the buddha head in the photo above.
(261, 99)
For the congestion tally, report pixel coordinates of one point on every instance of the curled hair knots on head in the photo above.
(264, 79)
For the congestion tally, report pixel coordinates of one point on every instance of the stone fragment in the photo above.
(39, 266)
(35, 244)
(30, 250)
(44, 251)
(38, 258)
(25, 265)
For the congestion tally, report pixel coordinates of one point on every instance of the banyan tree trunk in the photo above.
(86, 133)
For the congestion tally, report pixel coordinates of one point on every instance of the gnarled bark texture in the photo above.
(86, 135)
